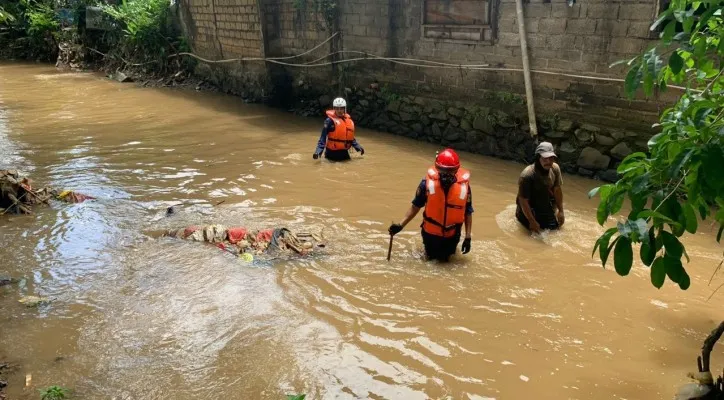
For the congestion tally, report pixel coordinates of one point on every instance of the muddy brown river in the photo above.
(133, 317)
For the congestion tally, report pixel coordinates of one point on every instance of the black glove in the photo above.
(315, 156)
(395, 229)
(361, 151)
(466, 246)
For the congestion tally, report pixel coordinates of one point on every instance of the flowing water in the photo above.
(134, 317)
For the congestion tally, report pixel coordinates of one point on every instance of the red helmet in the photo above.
(447, 159)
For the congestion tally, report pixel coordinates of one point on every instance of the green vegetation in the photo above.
(681, 179)
(141, 32)
(296, 396)
(54, 393)
(31, 27)
(144, 33)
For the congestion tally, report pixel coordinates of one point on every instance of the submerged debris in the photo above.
(33, 301)
(704, 387)
(17, 195)
(238, 240)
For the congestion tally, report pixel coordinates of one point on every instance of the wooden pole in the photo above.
(526, 68)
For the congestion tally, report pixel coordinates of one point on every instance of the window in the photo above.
(458, 20)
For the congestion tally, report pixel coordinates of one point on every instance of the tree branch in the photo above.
(708, 346)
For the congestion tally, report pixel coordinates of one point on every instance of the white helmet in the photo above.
(339, 102)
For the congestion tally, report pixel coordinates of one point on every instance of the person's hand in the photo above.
(561, 217)
(315, 156)
(466, 246)
(394, 229)
(534, 226)
(361, 151)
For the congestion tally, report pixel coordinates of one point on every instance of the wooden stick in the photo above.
(389, 250)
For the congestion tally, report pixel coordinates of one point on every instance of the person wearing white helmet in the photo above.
(337, 134)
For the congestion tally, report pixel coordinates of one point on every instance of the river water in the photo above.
(135, 317)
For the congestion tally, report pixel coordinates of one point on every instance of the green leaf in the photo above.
(680, 160)
(684, 280)
(593, 192)
(669, 32)
(602, 212)
(604, 239)
(658, 272)
(673, 246)
(700, 47)
(659, 21)
(640, 183)
(691, 222)
(616, 202)
(631, 83)
(655, 214)
(654, 139)
(638, 202)
(688, 24)
(619, 62)
(633, 229)
(674, 268)
(676, 63)
(623, 256)
(648, 249)
(606, 250)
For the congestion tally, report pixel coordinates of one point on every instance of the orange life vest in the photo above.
(343, 135)
(444, 213)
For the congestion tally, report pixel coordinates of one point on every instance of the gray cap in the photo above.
(545, 150)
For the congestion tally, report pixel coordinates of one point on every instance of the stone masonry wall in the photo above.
(590, 120)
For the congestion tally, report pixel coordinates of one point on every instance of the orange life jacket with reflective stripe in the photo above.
(343, 135)
(445, 213)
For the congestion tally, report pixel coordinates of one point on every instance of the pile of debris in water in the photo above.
(238, 240)
(17, 195)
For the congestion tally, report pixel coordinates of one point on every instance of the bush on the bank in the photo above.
(142, 32)
(30, 27)
(145, 31)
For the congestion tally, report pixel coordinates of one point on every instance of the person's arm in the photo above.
(523, 195)
(411, 213)
(323, 137)
(357, 146)
(417, 203)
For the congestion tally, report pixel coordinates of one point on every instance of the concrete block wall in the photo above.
(227, 29)
(580, 40)
(564, 43)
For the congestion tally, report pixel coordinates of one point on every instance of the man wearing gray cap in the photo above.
(540, 198)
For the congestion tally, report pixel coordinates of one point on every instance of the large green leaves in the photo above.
(623, 256)
(679, 182)
(658, 272)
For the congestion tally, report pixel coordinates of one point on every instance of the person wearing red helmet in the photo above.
(445, 195)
